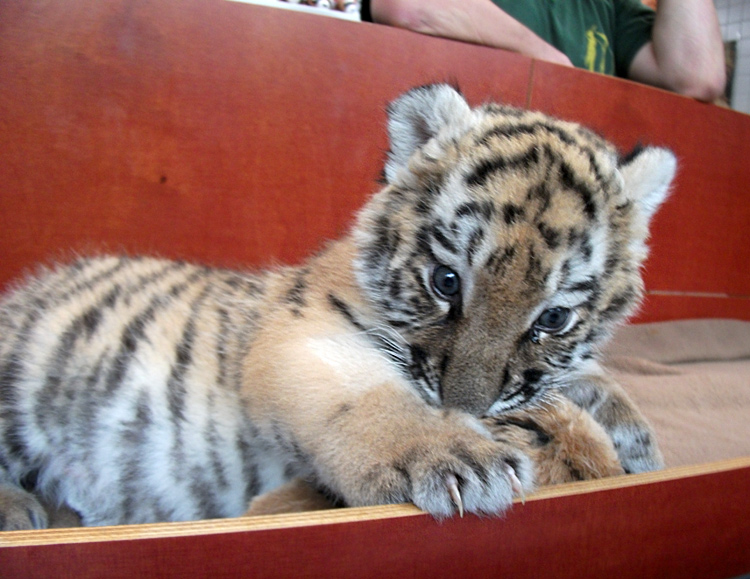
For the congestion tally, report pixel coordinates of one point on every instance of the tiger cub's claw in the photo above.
(452, 483)
(515, 484)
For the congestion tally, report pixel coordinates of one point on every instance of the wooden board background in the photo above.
(243, 135)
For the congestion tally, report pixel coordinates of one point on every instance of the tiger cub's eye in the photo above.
(445, 282)
(552, 320)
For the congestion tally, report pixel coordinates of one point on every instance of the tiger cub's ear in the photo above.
(419, 115)
(648, 173)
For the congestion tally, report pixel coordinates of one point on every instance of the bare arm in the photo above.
(476, 21)
(686, 53)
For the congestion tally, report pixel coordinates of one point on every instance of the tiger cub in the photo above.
(481, 280)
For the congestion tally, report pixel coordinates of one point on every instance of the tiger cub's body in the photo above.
(480, 281)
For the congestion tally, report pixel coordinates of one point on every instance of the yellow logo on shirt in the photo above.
(597, 45)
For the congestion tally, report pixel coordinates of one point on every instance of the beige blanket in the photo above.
(691, 379)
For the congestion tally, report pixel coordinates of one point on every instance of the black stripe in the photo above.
(552, 237)
(88, 399)
(12, 367)
(214, 442)
(593, 336)
(423, 245)
(528, 391)
(587, 285)
(419, 364)
(423, 207)
(245, 443)
(500, 260)
(221, 347)
(342, 308)
(542, 436)
(504, 110)
(619, 303)
(133, 437)
(81, 328)
(511, 131)
(395, 284)
(11, 372)
(479, 209)
(183, 359)
(513, 213)
(525, 391)
(286, 442)
(295, 295)
(506, 377)
(532, 375)
(441, 238)
(632, 155)
(534, 267)
(444, 363)
(250, 285)
(540, 193)
(564, 273)
(569, 181)
(574, 237)
(387, 237)
(89, 284)
(585, 246)
(485, 169)
(597, 171)
(611, 264)
(135, 331)
(201, 487)
(204, 493)
(145, 280)
(475, 240)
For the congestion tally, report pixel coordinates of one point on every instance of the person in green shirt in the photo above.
(678, 47)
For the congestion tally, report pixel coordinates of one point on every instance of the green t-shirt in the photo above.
(598, 35)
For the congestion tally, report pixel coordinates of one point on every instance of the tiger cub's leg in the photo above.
(296, 496)
(20, 510)
(631, 434)
(562, 440)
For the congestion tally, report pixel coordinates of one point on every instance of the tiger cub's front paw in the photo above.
(464, 474)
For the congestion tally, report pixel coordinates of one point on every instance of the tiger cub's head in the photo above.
(504, 248)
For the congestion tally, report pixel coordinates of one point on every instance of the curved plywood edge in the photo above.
(336, 516)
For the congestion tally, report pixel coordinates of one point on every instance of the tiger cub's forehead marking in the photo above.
(529, 193)
(508, 142)
(522, 167)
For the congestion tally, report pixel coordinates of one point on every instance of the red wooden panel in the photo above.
(696, 527)
(203, 129)
(663, 308)
(701, 238)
